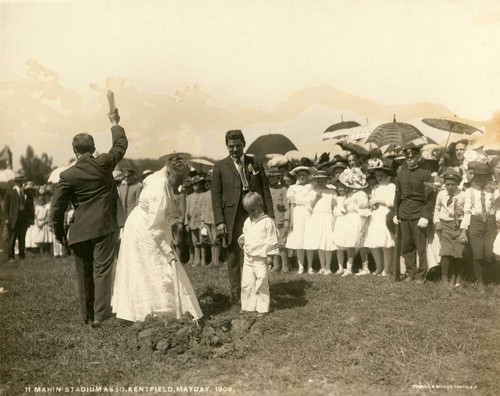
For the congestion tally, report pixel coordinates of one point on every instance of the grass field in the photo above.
(325, 335)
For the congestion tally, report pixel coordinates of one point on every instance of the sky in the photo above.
(249, 54)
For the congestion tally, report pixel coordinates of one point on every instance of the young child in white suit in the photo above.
(259, 242)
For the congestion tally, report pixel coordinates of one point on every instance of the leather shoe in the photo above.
(96, 324)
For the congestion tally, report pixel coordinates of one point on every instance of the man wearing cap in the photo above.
(19, 215)
(479, 223)
(448, 213)
(90, 187)
(233, 177)
(413, 208)
(129, 191)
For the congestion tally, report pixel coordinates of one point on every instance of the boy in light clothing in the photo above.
(259, 242)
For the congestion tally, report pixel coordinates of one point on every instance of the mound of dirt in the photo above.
(183, 339)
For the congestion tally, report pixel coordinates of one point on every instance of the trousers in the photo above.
(18, 233)
(413, 242)
(94, 266)
(255, 285)
(234, 256)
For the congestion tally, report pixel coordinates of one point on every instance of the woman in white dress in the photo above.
(43, 234)
(300, 197)
(378, 237)
(350, 228)
(319, 230)
(144, 280)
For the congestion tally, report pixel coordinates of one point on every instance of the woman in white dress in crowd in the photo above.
(350, 228)
(300, 197)
(319, 230)
(144, 281)
(43, 235)
(379, 238)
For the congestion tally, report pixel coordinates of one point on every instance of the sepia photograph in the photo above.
(281, 197)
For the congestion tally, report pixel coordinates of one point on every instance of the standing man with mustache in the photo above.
(233, 178)
(413, 208)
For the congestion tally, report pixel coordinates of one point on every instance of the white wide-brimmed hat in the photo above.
(353, 178)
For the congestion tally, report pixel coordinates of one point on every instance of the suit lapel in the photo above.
(232, 166)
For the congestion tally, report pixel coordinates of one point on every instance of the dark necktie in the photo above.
(21, 199)
(483, 206)
(243, 176)
(455, 211)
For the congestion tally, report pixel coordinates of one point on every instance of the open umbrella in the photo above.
(54, 176)
(201, 164)
(398, 133)
(6, 175)
(451, 126)
(359, 148)
(270, 144)
(294, 155)
(339, 129)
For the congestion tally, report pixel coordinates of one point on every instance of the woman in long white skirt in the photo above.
(379, 238)
(300, 196)
(350, 228)
(145, 277)
(319, 230)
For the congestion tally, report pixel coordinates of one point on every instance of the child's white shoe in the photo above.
(310, 271)
(301, 270)
(347, 272)
(321, 271)
(340, 271)
(327, 272)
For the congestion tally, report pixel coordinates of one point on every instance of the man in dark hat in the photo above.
(233, 177)
(129, 191)
(413, 208)
(90, 187)
(19, 215)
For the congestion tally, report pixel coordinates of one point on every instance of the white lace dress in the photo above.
(144, 280)
(378, 235)
(319, 230)
(350, 227)
(302, 196)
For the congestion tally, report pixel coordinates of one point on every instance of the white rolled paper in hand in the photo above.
(111, 101)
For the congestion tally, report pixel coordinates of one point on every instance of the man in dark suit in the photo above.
(232, 178)
(413, 209)
(90, 187)
(19, 215)
(129, 191)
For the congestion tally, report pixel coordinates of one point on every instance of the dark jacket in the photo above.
(227, 190)
(12, 212)
(413, 198)
(90, 186)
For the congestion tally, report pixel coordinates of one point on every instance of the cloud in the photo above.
(40, 111)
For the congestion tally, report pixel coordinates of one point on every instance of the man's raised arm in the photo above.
(120, 142)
